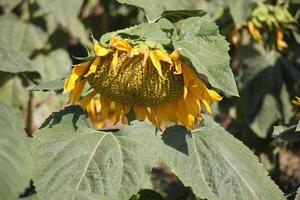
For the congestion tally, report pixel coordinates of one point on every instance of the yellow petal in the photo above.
(280, 43)
(206, 104)
(114, 61)
(77, 72)
(187, 75)
(175, 55)
(156, 62)
(99, 50)
(93, 66)
(140, 112)
(118, 111)
(105, 107)
(214, 96)
(86, 99)
(120, 44)
(160, 55)
(191, 121)
(135, 51)
(178, 66)
(254, 31)
(76, 92)
(297, 101)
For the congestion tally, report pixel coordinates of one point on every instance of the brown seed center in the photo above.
(135, 83)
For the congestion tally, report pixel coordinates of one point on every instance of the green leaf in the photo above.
(10, 4)
(64, 12)
(210, 160)
(14, 61)
(21, 35)
(146, 31)
(153, 9)
(53, 65)
(15, 159)
(216, 165)
(207, 50)
(169, 28)
(54, 85)
(73, 157)
(266, 116)
(12, 92)
(286, 133)
(240, 11)
(177, 15)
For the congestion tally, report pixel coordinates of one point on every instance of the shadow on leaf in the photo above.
(56, 117)
(175, 137)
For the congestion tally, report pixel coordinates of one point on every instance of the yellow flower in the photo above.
(297, 103)
(151, 83)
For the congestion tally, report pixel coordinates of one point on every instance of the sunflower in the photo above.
(297, 103)
(132, 76)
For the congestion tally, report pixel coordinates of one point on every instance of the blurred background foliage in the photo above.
(46, 36)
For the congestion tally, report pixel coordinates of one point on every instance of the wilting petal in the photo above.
(77, 72)
(120, 44)
(99, 50)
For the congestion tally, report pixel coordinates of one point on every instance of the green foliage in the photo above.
(72, 160)
(15, 158)
(14, 61)
(116, 164)
(153, 9)
(20, 35)
(201, 43)
(145, 31)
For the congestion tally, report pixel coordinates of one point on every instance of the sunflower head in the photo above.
(271, 21)
(146, 79)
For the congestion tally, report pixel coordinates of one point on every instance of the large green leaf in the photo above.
(73, 157)
(54, 85)
(177, 15)
(14, 61)
(240, 11)
(202, 44)
(64, 12)
(21, 35)
(266, 116)
(53, 65)
(10, 4)
(153, 9)
(211, 161)
(15, 159)
(216, 165)
(151, 32)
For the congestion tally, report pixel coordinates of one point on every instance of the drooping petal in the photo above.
(281, 44)
(120, 44)
(140, 112)
(114, 61)
(76, 92)
(156, 62)
(99, 50)
(297, 101)
(105, 107)
(77, 72)
(93, 66)
(214, 96)
(254, 31)
(162, 56)
(86, 99)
